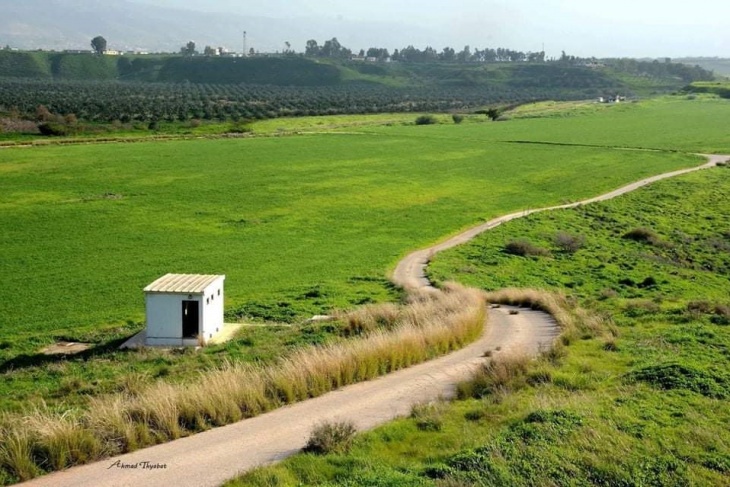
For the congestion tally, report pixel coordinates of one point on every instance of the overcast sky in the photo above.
(634, 28)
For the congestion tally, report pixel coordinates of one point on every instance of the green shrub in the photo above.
(610, 344)
(697, 308)
(541, 375)
(493, 113)
(661, 470)
(643, 235)
(429, 417)
(556, 353)
(559, 419)
(641, 307)
(524, 248)
(569, 243)
(53, 129)
(507, 374)
(240, 128)
(457, 118)
(722, 315)
(426, 120)
(648, 283)
(475, 415)
(678, 376)
(331, 437)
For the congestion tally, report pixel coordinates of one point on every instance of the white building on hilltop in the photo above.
(184, 310)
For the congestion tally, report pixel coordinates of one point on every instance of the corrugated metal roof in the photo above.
(182, 283)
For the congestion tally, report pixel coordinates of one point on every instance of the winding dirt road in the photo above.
(212, 457)
(410, 273)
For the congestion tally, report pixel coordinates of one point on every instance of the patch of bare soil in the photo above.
(66, 348)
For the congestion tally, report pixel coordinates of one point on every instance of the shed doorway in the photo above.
(190, 319)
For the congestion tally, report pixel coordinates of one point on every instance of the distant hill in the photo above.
(71, 24)
(721, 66)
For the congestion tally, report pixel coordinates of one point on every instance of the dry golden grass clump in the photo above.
(429, 324)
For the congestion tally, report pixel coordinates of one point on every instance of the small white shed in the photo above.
(184, 309)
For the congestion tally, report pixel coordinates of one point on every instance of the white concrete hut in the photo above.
(184, 310)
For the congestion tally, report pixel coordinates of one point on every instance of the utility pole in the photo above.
(244, 44)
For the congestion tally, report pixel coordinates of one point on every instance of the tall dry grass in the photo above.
(429, 324)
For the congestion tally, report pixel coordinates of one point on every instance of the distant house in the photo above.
(112, 52)
(611, 99)
(184, 310)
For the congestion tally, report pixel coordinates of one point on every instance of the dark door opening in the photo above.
(190, 322)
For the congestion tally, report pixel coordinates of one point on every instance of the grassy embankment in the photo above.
(636, 393)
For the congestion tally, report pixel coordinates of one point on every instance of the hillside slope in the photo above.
(299, 71)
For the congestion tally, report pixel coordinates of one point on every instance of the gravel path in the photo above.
(212, 457)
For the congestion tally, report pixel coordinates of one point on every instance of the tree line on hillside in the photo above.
(333, 49)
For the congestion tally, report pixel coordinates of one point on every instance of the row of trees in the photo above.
(467, 55)
(333, 49)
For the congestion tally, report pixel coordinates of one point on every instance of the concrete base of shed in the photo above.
(140, 339)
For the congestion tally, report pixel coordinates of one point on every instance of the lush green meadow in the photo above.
(643, 400)
(696, 123)
(300, 225)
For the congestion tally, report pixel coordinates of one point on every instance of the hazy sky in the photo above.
(583, 27)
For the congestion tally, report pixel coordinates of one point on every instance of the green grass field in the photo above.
(670, 123)
(645, 402)
(300, 225)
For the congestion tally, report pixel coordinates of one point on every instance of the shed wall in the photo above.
(212, 310)
(164, 315)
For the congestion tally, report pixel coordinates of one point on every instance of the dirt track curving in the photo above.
(210, 458)
(410, 273)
